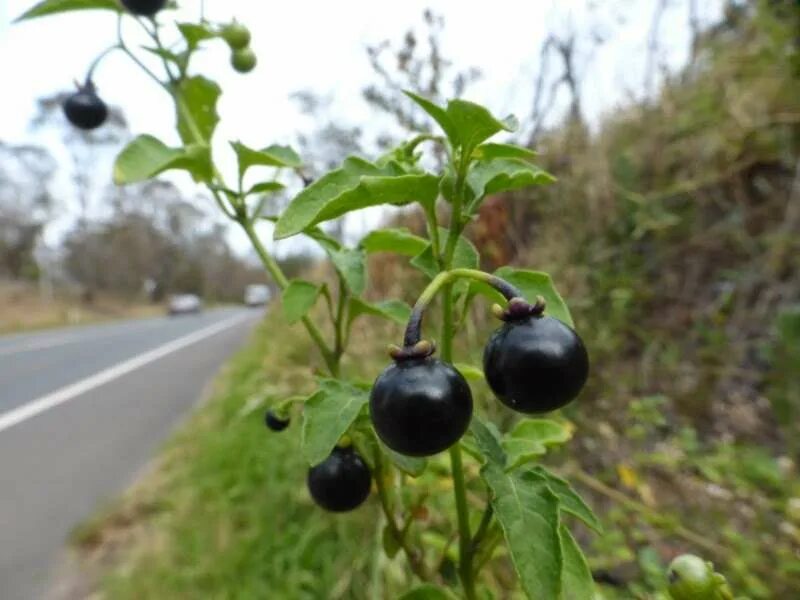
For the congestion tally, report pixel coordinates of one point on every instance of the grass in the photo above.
(224, 513)
(24, 308)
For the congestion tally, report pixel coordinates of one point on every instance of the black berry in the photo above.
(535, 364)
(144, 7)
(420, 406)
(274, 422)
(85, 109)
(341, 482)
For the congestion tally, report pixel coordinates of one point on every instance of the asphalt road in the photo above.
(82, 410)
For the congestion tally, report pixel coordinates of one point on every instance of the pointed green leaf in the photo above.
(146, 156)
(570, 501)
(576, 577)
(487, 177)
(474, 123)
(357, 184)
(492, 151)
(297, 299)
(397, 240)
(265, 187)
(536, 283)
(392, 310)
(352, 266)
(530, 439)
(327, 415)
(195, 33)
(428, 591)
(52, 7)
(488, 441)
(465, 256)
(271, 156)
(199, 98)
(528, 514)
(390, 545)
(439, 115)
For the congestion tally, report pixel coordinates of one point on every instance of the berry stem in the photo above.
(97, 61)
(444, 280)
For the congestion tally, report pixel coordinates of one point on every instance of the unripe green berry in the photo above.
(692, 578)
(243, 60)
(236, 35)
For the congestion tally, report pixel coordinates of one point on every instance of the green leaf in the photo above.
(470, 372)
(491, 151)
(439, 115)
(536, 283)
(488, 441)
(474, 123)
(146, 156)
(195, 33)
(576, 577)
(527, 511)
(428, 591)
(298, 298)
(352, 266)
(396, 240)
(530, 438)
(327, 415)
(199, 98)
(487, 177)
(407, 464)
(265, 187)
(465, 256)
(569, 500)
(392, 310)
(271, 156)
(390, 545)
(465, 124)
(357, 184)
(52, 7)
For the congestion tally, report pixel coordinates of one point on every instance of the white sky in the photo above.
(318, 45)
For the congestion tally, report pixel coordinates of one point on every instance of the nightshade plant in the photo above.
(421, 405)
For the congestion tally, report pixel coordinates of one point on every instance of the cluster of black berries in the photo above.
(420, 405)
(86, 110)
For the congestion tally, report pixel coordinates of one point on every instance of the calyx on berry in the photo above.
(276, 422)
(84, 108)
(145, 8)
(341, 482)
(420, 405)
(236, 35)
(534, 363)
(243, 60)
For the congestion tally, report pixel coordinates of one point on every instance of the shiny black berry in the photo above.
(85, 109)
(274, 422)
(420, 406)
(144, 7)
(535, 364)
(341, 482)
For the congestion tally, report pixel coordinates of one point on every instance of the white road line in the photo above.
(53, 399)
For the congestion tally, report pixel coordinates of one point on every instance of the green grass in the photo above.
(225, 512)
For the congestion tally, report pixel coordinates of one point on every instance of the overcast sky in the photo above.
(316, 45)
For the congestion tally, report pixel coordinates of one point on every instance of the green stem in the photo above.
(414, 559)
(338, 322)
(443, 281)
(464, 538)
(275, 271)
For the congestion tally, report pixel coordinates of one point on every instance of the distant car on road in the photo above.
(256, 295)
(182, 304)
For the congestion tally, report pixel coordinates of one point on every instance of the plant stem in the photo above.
(274, 269)
(456, 463)
(414, 559)
(443, 281)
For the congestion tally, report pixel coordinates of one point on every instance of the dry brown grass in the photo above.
(23, 307)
